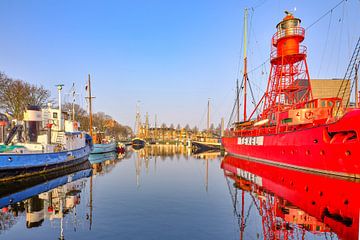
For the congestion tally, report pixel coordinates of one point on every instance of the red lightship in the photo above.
(293, 129)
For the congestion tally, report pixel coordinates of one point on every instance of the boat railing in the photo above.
(289, 32)
(301, 49)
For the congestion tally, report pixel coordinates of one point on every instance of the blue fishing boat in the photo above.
(104, 147)
(46, 140)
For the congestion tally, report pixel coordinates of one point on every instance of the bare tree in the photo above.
(16, 95)
(80, 115)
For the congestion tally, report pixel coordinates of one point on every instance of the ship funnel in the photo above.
(33, 120)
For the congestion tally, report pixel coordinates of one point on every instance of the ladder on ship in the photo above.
(350, 76)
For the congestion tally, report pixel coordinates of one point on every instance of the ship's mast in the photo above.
(137, 120)
(89, 97)
(59, 88)
(208, 115)
(245, 59)
(356, 87)
(73, 101)
(237, 101)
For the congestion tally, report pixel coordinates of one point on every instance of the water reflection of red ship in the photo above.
(285, 197)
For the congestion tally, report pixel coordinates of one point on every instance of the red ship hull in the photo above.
(329, 148)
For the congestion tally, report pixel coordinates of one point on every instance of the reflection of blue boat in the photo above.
(98, 158)
(42, 187)
(104, 147)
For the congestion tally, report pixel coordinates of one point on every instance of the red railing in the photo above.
(294, 31)
(274, 53)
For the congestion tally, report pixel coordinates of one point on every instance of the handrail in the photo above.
(294, 31)
(274, 53)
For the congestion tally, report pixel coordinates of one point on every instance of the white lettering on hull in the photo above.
(251, 140)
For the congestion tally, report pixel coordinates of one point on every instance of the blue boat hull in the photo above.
(104, 148)
(14, 166)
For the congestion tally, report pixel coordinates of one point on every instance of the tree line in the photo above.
(16, 95)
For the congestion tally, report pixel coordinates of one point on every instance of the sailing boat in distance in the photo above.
(100, 144)
(137, 142)
(206, 140)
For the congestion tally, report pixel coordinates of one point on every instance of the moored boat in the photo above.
(206, 140)
(293, 129)
(104, 147)
(203, 144)
(46, 140)
(138, 143)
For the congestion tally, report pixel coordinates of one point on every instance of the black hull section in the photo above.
(14, 174)
(138, 143)
(198, 147)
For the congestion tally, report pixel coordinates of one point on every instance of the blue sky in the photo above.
(169, 55)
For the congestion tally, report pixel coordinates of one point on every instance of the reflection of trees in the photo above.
(7, 220)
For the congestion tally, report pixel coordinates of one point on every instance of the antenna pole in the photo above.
(90, 107)
(208, 116)
(59, 88)
(237, 101)
(356, 87)
(245, 60)
(73, 103)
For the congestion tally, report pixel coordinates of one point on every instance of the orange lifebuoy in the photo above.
(309, 114)
(75, 125)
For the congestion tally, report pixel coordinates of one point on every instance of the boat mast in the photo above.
(208, 115)
(356, 87)
(245, 60)
(73, 102)
(137, 120)
(59, 88)
(90, 107)
(237, 101)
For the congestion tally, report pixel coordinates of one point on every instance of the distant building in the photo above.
(164, 134)
(328, 88)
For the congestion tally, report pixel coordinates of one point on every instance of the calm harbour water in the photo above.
(165, 192)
